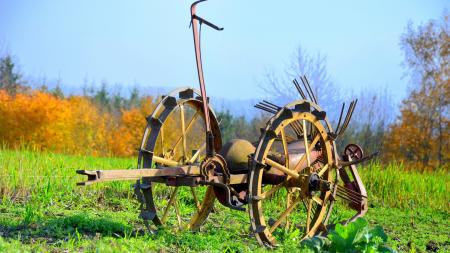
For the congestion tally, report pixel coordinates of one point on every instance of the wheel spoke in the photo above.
(171, 201)
(317, 200)
(183, 132)
(164, 161)
(177, 212)
(305, 140)
(284, 214)
(162, 140)
(282, 168)
(308, 216)
(195, 156)
(271, 191)
(322, 171)
(188, 127)
(288, 203)
(197, 203)
(285, 148)
(307, 151)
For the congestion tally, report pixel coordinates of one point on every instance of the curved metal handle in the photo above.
(195, 22)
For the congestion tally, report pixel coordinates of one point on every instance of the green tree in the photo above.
(9, 76)
(227, 127)
(102, 97)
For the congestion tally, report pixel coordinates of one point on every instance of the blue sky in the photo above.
(149, 42)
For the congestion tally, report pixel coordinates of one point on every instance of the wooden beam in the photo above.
(95, 176)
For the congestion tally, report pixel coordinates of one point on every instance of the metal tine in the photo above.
(271, 104)
(351, 113)
(341, 131)
(344, 124)
(348, 116)
(350, 191)
(268, 106)
(347, 199)
(354, 198)
(310, 89)
(306, 88)
(296, 127)
(299, 89)
(343, 195)
(264, 108)
(340, 118)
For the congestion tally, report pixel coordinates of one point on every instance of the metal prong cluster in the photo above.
(341, 129)
(268, 107)
(307, 88)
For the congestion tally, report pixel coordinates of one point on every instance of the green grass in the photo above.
(391, 186)
(41, 209)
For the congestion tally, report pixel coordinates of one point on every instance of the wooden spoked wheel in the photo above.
(175, 136)
(301, 198)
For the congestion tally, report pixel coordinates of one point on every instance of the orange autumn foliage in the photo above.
(126, 137)
(74, 125)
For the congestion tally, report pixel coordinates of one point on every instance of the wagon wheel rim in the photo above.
(181, 207)
(298, 208)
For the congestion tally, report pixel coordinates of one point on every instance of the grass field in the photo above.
(41, 209)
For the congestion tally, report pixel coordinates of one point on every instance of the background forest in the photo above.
(102, 123)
